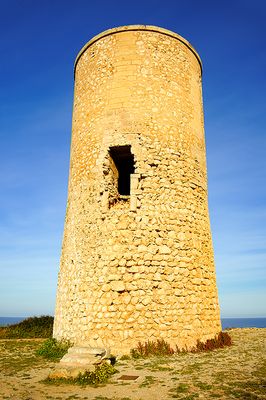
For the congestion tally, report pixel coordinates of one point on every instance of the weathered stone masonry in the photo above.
(137, 258)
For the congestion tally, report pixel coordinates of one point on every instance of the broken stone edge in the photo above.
(78, 360)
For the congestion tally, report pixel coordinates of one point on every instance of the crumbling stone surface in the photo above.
(137, 267)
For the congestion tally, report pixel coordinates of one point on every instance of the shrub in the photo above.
(53, 350)
(162, 348)
(101, 374)
(157, 348)
(221, 340)
(33, 327)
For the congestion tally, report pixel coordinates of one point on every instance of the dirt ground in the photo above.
(237, 372)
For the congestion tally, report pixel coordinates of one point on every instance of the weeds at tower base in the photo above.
(152, 348)
(54, 350)
(162, 348)
(100, 375)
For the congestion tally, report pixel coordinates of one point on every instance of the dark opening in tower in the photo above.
(124, 162)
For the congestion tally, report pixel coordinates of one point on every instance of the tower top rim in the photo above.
(151, 28)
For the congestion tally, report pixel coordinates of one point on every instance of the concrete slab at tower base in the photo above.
(78, 360)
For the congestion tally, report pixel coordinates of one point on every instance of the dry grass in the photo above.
(236, 372)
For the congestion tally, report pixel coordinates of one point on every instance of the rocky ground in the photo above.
(237, 372)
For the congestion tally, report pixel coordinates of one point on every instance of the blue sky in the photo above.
(39, 41)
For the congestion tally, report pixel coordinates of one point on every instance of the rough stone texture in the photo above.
(79, 360)
(137, 267)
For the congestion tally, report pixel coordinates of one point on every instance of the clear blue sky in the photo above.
(39, 41)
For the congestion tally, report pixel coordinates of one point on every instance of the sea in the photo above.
(226, 322)
(4, 321)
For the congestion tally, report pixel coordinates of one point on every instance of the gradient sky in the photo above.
(39, 41)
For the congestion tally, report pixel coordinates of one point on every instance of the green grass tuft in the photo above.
(100, 375)
(53, 350)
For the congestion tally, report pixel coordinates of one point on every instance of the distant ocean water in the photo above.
(226, 322)
(4, 321)
(243, 323)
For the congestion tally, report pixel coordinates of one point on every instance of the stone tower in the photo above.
(137, 259)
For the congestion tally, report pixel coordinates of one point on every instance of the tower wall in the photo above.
(139, 265)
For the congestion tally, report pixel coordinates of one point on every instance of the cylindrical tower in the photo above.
(137, 259)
